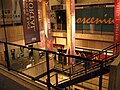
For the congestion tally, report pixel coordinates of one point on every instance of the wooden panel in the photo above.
(92, 44)
(2, 35)
(61, 41)
(14, 33)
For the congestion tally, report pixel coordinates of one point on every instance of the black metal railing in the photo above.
(10, 62)
(95, 64)
(85, 66)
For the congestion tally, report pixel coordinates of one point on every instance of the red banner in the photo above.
(117, 24)
(30, 21)
(49, 33)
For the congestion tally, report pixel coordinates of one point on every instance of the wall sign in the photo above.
(101, 19)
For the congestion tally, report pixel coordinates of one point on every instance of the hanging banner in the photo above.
(48, 30)
(41, 44)
(117, 24)
(30, 21)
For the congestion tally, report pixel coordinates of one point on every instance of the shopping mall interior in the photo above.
(59, 44)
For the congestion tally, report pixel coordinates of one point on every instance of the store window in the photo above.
(61, 19)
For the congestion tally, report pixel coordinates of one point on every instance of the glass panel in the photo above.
(2, 55)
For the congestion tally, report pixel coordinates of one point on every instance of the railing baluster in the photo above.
(56, 78)
(48, 71)
(7, 56)
(105, 54)
(100, 79)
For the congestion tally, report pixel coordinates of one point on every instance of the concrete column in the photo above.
(70, 16)
(114, 78)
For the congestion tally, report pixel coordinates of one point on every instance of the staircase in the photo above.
(96, 68)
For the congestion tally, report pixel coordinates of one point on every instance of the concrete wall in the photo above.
(14, 33)
(85, 40)
(114, 81)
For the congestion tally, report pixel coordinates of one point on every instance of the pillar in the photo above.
(70, 16)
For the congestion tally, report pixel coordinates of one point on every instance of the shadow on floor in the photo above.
(9, 84)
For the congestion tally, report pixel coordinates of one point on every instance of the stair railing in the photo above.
(104, 61)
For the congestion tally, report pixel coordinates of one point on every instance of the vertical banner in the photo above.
(47, 28)
(49, 33)
(41, 25)
(30, 21)
(117, 24)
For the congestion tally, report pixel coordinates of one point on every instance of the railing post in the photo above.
(70, 71)
(106, 55)
(100, 79)
(116, 49)
(62, 66)
(56, 78)
(70, 75)
(7, 56)
(48, 71)
(99, 55)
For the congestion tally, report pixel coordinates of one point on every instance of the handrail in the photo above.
(74, 65)
(111, 45)
(105, 49)
(82, 71)
(103, 61)
(86, 49)
(45, 83)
